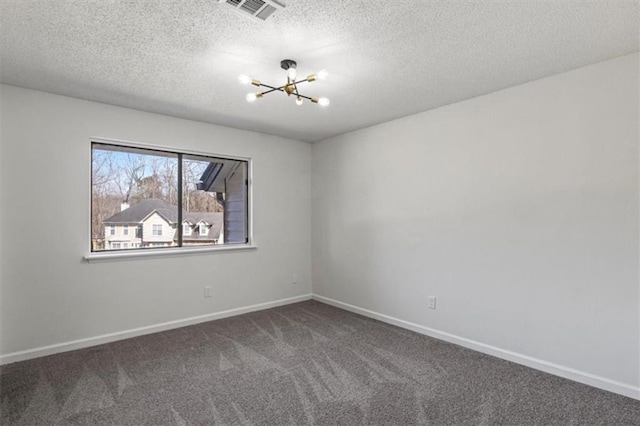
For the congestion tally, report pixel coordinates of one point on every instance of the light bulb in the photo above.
(324, 102)
(322, 74)
(244, 79)
(292, 73)
(251, 97)
(298, 101)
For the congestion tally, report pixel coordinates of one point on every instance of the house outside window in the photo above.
(211, 191)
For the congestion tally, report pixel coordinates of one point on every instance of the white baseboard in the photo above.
(120, 335)
(548, 367)
(538, 364)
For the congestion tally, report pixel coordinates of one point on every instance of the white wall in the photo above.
(50, 296)
(518, 210)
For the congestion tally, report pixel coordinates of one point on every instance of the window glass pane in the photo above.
(203, 209)
(133, 187)
(214, 194)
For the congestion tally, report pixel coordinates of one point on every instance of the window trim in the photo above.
(171, 251)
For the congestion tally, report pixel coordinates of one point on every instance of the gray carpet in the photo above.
(306, 363)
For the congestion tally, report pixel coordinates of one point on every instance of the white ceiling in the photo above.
(386, 58)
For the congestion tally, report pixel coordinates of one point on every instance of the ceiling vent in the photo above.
(257, 9)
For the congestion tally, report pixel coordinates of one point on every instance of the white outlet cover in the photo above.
(432, 302)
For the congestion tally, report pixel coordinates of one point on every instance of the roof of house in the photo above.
(214, 220)
(138, 212)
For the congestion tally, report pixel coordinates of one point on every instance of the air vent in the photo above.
(258, 9)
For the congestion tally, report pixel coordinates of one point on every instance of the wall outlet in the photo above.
(294, 279)
(207, 291)
(431, 302)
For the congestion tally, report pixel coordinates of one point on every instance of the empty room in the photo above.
(319, 212)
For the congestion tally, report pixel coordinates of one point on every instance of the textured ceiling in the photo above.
(386, 58)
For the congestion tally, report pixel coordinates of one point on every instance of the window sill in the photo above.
(182, 251)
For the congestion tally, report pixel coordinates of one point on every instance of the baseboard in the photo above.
(112, 337)
(538, 364)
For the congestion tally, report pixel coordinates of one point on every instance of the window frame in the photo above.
(171, 251)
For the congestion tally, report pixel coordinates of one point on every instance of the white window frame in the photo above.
(112, 230)
(173, 251)
(202, 229)
(156, 230)
(125, 230)
(186, 229)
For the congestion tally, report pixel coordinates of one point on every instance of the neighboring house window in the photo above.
(115, 245)
(211, 191)
(125, 245)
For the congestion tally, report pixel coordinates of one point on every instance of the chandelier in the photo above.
(290, 88)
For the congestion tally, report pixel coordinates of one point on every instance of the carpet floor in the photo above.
(305, 363)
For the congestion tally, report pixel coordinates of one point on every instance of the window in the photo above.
(159, 189)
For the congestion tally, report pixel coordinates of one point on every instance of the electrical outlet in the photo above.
(294, 279)
(431, 302)
(207, 291)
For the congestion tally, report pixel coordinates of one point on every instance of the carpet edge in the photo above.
(528, 361)
(126, 334)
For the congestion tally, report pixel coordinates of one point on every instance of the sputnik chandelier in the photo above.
(290, 88)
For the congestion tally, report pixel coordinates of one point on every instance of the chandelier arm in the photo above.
(271, 87)
(273, 90)
(303, 96)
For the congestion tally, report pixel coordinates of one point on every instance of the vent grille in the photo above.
(266, 12)
(252, 6)
(258, 9)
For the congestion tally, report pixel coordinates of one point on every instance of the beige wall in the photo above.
(168, 231)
